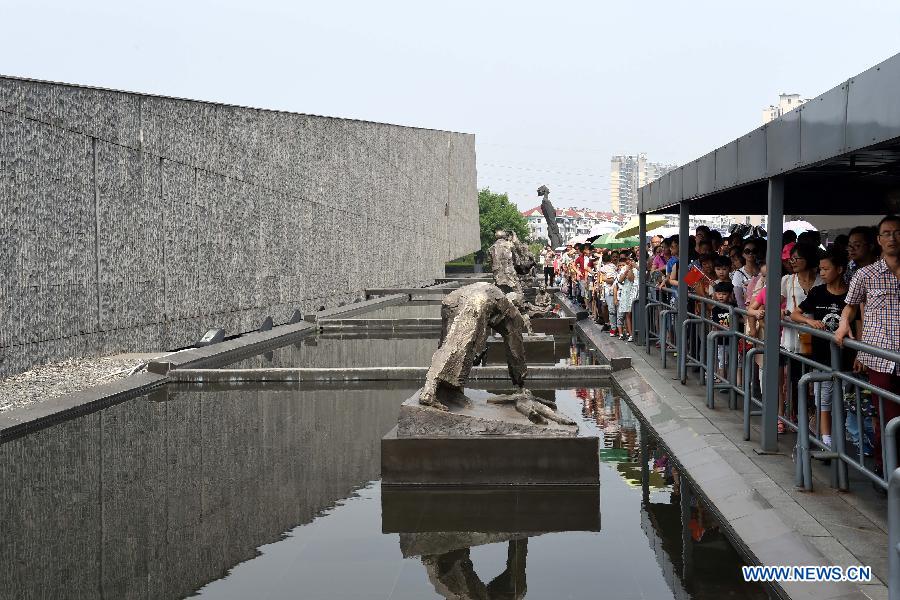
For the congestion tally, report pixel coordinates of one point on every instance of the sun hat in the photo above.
(786, 251)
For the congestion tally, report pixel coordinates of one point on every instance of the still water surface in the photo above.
(274, 493)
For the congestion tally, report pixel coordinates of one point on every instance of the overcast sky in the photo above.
(550, 89)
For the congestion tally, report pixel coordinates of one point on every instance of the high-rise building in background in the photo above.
(786, 103)
(627, 175)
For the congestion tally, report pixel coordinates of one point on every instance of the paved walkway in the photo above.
(755, 493)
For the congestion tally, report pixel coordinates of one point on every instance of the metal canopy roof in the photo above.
(839, 154)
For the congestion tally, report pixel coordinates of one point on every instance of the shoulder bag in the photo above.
(804, 339)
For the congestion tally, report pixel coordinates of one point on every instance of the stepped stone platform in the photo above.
(484, 445)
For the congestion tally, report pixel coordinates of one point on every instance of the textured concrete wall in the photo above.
(134, 222)
(154, 499)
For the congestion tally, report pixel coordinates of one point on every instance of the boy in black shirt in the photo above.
(825, 303)
(723, 291)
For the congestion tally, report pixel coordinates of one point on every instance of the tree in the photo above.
(495, 211)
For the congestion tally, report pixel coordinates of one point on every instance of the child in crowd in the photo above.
(722, 269)
(723, 292)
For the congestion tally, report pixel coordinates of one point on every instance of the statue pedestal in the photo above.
(484, 444)
(539, 348)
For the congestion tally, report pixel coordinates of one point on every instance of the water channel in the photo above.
(273, 492)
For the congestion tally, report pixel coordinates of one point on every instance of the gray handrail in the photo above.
(803, 462)
(893, 473)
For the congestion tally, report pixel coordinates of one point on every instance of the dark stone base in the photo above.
(539, 348)
(486, 460)
(534, 509)
(550, 326)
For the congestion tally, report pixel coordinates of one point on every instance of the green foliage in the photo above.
(495, 211)
(463, 261)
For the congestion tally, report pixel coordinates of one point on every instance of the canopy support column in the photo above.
(771, 370)
(684, 248)
(639, 326)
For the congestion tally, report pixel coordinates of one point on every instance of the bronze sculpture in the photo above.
(503, 263)
(467, 314)
(549, 216)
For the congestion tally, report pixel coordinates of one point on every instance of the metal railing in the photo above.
(705, 345)
(890, 443)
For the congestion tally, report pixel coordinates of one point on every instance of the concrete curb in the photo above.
(21, 421)
(356, 307)
(558, 374)
(592, 333)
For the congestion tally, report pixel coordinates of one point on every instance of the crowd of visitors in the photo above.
(848, 286)
(604, 282)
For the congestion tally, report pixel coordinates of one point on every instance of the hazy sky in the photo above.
(550, 89)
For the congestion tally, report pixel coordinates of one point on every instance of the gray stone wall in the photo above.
(135, 222)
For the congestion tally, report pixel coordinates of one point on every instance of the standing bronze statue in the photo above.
(467, 315)
(550, 217)
(503, 263)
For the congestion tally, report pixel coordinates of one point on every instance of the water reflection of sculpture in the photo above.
(467, 314)
(453, 575)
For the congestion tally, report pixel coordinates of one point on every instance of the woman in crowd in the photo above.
(659, 259)
(795, 287)
(627, 282)
(750, 255)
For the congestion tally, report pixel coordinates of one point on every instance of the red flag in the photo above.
(693, 276)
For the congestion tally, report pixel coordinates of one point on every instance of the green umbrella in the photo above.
(609, 241)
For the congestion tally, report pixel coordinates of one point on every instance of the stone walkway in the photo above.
(754, 493)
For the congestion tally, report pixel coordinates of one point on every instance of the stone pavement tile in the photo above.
(713, 470)
(739, 461)
(722, 487)
(833, 550)
(797, 518)
(873, 591)
(700, 425)
(742, 504)
(861, 542)
(830, 509)
(697, 458)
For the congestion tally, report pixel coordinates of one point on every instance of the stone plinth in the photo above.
(539, 348)
(484, 444)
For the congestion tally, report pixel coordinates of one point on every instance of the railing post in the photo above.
(837, 417)
(684, 246)
(732, 359)
(894, 535)
(641, 325)
(769, 423)
(893, 477)
(748, 388)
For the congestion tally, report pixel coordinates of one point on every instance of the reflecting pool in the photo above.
(274, 492)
